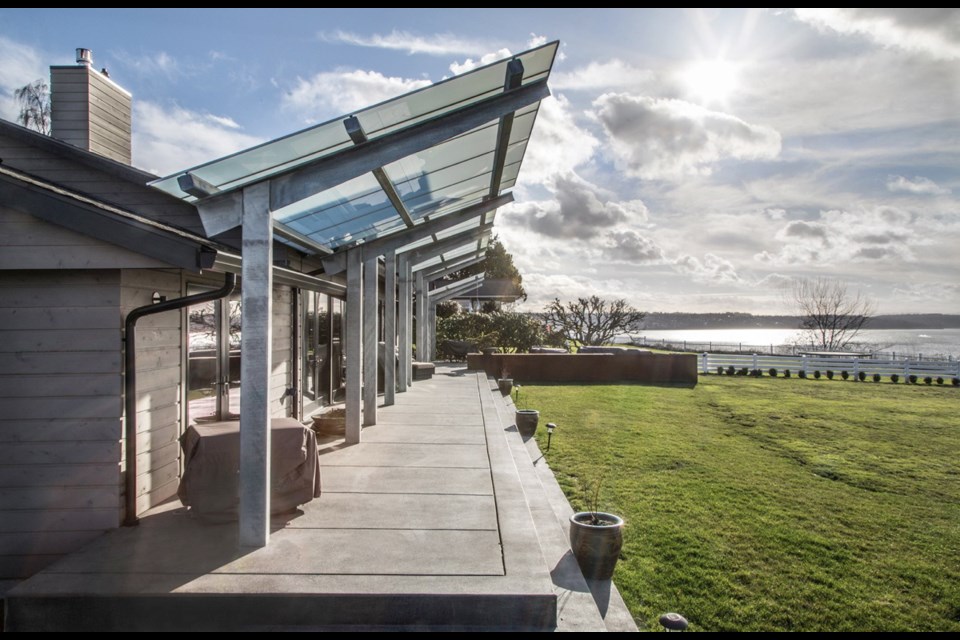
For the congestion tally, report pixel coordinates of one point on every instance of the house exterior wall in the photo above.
(61, 404)
(159, 387)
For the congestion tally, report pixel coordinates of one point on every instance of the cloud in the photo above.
(654, 138)
(580, 210)
(841, 237)
(805, 230)
(558, 145)
(456, 68)
(331, 93)
(21, 65)
(610, 74)
(712, 268)
(629, 246)
(918, 185)
(160, 63)
(932, 32)
(167, 139)
(438, 44)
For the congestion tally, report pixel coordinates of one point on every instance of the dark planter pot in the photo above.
(506, 386)
(527, 420)
(489, 351)
(330, 425)
(596, 547)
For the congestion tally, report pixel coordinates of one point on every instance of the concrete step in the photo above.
(582, 605)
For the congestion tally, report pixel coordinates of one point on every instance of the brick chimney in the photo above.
(89, 110)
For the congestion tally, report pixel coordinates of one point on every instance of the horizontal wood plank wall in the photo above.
(158, 384)
(132, 195)
(281, 377)
(30, 243)
(60, 413)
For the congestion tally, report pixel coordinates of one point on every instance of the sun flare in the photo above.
(710, 81)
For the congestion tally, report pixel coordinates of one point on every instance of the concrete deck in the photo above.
(428, 523)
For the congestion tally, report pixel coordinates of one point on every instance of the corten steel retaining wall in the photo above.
(631, 366)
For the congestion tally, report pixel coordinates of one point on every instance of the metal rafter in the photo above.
(512, 81)
(359, 136)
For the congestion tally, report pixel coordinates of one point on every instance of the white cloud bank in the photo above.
(918, 185)
(167, 139)
(655, 138)
(934, 32)
(438, 44)
(331, 93)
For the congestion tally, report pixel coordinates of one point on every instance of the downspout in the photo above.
(130, 380)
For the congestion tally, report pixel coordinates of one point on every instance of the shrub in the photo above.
(719, 371)
(939, 380)
(816, 374)
(876, 377)
(862, 376)
(912, 379)
(829, 375)
(772, 372)
(928, 380)
(956, 382)
(757, 373)
(894, 378)
(744, 371)
(844, 375)
(802, 374)
(786, 373)
(731, 370)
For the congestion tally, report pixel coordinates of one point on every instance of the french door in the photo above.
(213, 358)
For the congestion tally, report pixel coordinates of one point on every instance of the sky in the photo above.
(687, 160)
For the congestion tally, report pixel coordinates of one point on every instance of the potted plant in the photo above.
(505, 382)
(331, 422)
(596, 538)
(526, 419)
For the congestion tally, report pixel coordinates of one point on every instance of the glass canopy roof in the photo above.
(447, 177)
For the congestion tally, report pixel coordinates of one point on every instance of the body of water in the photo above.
(903, 342)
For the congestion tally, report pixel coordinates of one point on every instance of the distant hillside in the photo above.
(732, 320)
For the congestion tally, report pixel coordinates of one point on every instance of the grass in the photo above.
(772, 504)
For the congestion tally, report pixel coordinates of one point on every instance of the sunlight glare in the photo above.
(710, 81)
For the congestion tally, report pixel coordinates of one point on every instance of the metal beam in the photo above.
(405, 333)
(464, 284)
(458, 241)
(512, 81)
(442, 270)
(357, 134)
(287, 233)
(421, 317)
(353, 326)
(453, 293)
(220, 213)
(371, 334)
(330, 171)
(395, 241)
(255, 367)
(389, 328)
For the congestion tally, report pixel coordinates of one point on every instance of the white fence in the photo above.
(808, 364)
(776, 349)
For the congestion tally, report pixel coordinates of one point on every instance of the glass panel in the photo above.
(327, 138)
(202, 362)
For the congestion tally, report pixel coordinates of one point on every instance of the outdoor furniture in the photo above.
(210, 482)
(423, 370)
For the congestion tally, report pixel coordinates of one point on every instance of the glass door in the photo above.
(213, 359)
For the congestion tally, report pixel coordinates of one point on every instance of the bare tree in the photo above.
(593, 321)
(830, 314)
(34, 102)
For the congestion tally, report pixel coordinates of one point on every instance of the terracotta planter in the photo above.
(506, 386)
(596, 546)
(527, 420)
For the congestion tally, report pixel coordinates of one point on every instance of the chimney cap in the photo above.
(84, 57)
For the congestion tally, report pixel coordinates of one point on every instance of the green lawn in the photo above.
(772, 504)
